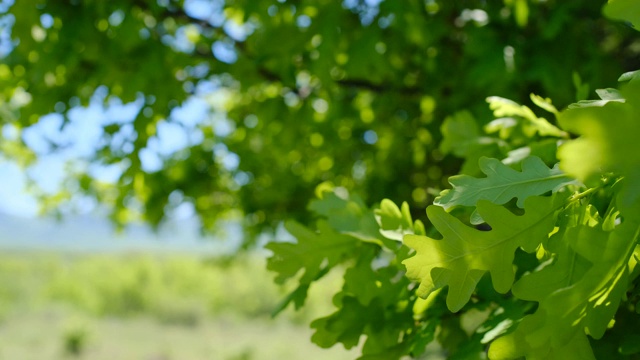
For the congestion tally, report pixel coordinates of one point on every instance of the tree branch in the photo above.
(378, 88)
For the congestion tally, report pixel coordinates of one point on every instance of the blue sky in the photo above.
(15, 199)
(79, 138)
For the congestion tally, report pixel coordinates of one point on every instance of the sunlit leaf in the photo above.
(608, 141)
(626, 10)
(464, 254)
(503, 183)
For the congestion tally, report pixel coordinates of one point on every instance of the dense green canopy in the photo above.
(289, 94)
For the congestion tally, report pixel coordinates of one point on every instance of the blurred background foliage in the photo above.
(137, 306)
(290, 94)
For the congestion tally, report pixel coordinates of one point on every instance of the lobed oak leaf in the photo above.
(578, 294)
(464, 254)
(313, 251)
(503, 184)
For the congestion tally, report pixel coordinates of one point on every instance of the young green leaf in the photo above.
(396, 222)
(464, 254)
(503, 183)
(630, 76)
(606, 96)
(609, 142)
(544, 103)
(504, 107)
(349, 215)
(609, 94)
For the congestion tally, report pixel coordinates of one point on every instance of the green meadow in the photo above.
(151, 307)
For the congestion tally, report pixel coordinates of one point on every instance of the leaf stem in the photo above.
(584, 194)
(606, 182)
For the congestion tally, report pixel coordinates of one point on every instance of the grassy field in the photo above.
(55, 306)
(47, 335)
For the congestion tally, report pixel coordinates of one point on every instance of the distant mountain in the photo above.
(95, 234)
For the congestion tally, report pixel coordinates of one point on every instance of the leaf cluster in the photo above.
(584, 235)
(563, 253)
(375, 298)
(541, 252)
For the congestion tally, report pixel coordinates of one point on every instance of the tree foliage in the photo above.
(533, 248)
(566, 260)
(302, 92)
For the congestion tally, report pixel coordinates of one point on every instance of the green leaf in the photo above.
(503, 126)
(349, 215)
(609, 94)
(608, 142)
(606, 96)
(568, 267)
(461, 137)
(345, 325)
(544, 149)
(382, 322)
(395, 352)
(360, 281)
(630, 75)
(313, 251)
(507, 108)
(591, 103)
(460, 134)
(625, 10)
(503, 183)
(574, 348)
(298, 297)
(452, 336)
(544, 103)
(396, 222)
(464, 254)
(579, 293)
(582, 90)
